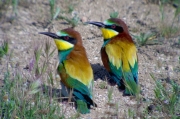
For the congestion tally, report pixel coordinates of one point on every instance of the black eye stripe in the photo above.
(108, 26)
(115, 27)
(68, 39)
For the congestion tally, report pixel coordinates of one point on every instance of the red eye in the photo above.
(66, 38)
(113, 26)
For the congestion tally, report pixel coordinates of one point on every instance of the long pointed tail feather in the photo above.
(86, 98)
(130, 84)
(82, 107)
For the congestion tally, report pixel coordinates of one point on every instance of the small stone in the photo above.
(96, 58)
(58, 78)
(150, 108)
(170, 67)
(84, 19)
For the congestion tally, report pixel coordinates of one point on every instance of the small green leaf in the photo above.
(114, 14)
(70, 8)
(51, 54)
(56, 13)
(34, 88)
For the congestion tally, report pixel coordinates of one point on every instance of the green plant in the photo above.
(4, 48)
(168, 31)
(74, 21)
(165, 29)
(22, 96)
(66, 14)
(103, 85)
(110, 92)
(54, 12)
(177, 11)
(4, 4)
(131, 114)
(161, 9)
(167, 98)
(143, 38)
(71, 8)
(162, 3)
(114, 14)
(15, 4)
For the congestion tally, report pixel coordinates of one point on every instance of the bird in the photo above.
(74, 68)
(119, 55)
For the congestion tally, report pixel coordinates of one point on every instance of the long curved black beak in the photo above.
(52, 35)
(99, 24)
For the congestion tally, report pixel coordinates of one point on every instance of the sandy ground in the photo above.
(161, 60)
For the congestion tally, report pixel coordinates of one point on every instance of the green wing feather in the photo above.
(131, 80)
(82, 107)
(116, 75)
(80, 91)
(123, 65)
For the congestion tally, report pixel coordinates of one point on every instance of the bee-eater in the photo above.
(119, 55)
(74, 68)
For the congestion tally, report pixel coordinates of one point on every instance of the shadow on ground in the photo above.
(100, 72)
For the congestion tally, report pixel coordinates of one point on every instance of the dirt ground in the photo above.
(161, 60)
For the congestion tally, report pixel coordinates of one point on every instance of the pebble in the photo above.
(84, 19)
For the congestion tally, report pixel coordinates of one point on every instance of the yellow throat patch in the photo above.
(108, 33)
(63, 45)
